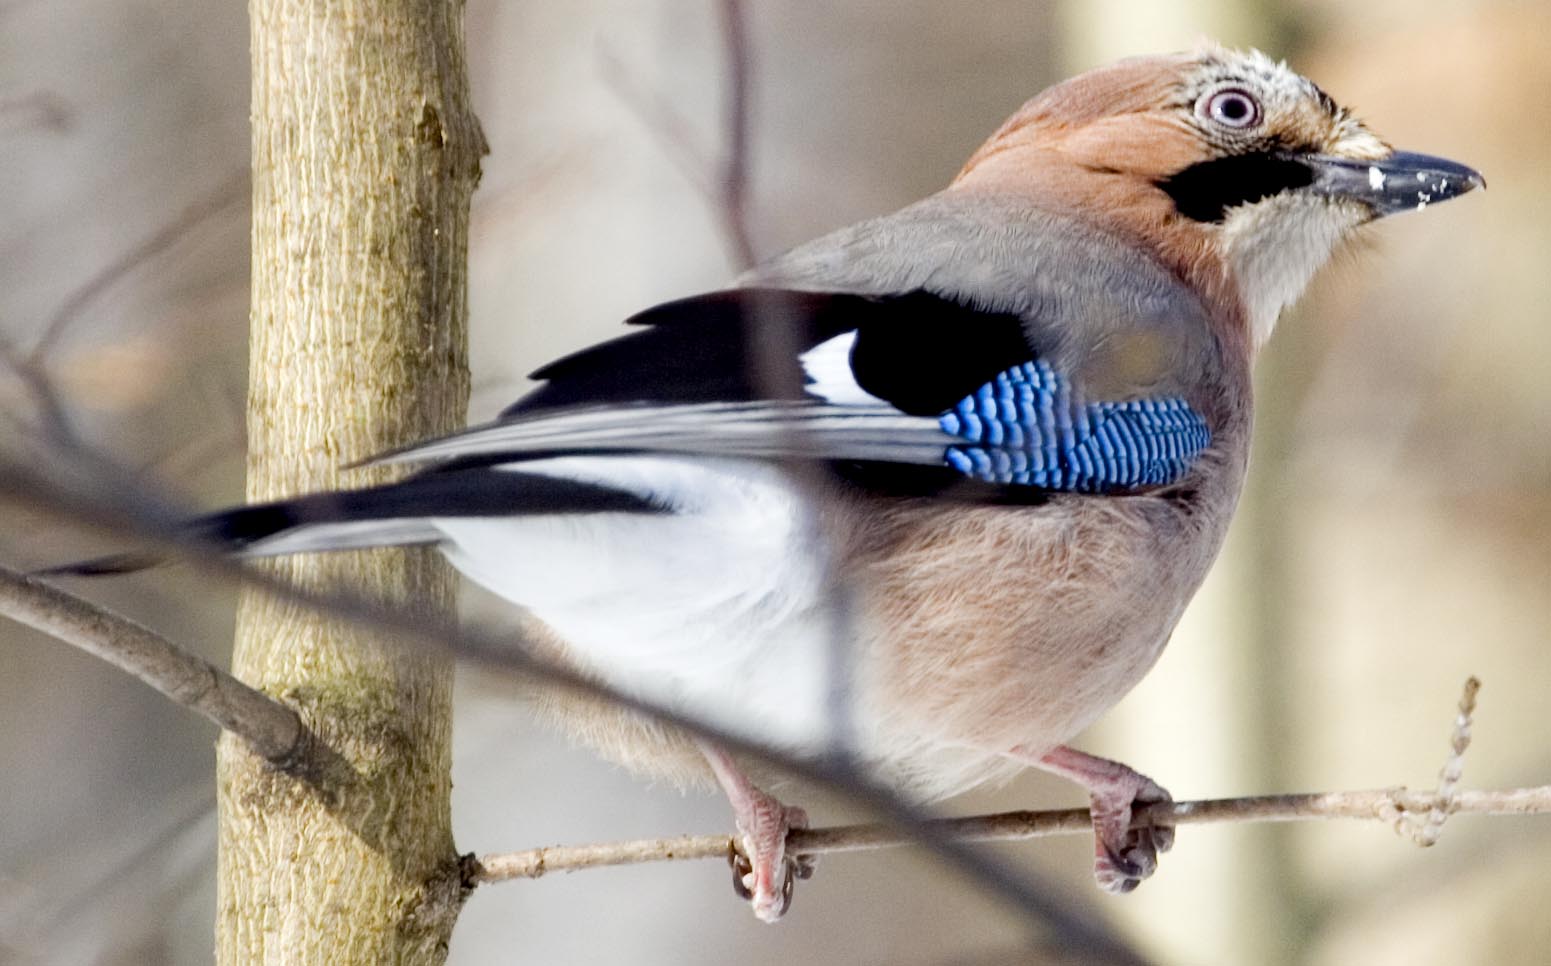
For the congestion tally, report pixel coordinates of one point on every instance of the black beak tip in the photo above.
(1406, 181)
(1469, 179)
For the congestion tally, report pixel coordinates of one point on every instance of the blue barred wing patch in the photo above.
(1024, 428)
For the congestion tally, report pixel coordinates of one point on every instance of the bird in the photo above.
(968, 461)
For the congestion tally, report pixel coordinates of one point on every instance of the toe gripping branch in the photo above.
(1123, 856)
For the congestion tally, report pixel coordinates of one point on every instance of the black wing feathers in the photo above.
(919, 351)
(923, 353)
(702, 349)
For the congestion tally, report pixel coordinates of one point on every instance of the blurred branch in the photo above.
(42, 109)
(227, 193)
(105, 888)
(272, 730)
(725, 185)
(54, 425)
(671, 129)
(735, 163)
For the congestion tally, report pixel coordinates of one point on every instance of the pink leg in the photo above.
(764, 874)
(1123, 856)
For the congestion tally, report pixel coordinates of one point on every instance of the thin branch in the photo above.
(54, 424)
(78, 892)
(1011, 826)
(535, 863)
(735, 163)
(41, 109)
(725, 186)
(1425, 831)
(226, 194)
(672, 130)
(1417, 816)
(273, 730)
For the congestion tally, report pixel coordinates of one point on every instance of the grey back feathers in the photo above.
(1077, 288)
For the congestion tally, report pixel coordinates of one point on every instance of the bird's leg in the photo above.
(763, 874)
(1123, 856)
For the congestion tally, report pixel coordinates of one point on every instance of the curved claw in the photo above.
(742, 870)
(793, 867)
(788, 885)
(763, 873)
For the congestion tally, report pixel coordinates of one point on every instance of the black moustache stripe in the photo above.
(1208, 190)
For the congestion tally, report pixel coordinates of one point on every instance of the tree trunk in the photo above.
(365, 154)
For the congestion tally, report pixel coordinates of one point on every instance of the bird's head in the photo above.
(1241, 174)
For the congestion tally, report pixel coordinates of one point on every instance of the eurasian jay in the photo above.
(1031, 391)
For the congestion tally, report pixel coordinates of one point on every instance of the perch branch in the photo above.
(273, 730)
(1415, 815)
(1012, 826)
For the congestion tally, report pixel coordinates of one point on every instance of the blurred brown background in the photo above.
(1396, 536)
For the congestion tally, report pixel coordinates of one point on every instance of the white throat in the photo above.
(1274, 247)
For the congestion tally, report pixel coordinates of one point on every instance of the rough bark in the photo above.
(365, 154)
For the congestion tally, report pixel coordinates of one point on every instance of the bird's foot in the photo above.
(1123, 856)
(762, 871)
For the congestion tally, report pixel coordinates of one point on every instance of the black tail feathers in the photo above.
(401, 508)
(228, 531)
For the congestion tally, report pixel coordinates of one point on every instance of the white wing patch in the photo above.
(828, 366)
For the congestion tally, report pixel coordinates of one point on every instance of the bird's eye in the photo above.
(1231, 108)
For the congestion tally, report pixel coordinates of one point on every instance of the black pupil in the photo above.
(1233, 108)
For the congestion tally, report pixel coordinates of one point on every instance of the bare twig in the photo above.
(725, 185)
(672, 130)
(1397, 807)
(1012, 826)
(227, 193)
(273, 730)
(54, 426)
(42, 109)
(735, 163)
(1427, 830)
(102, 884)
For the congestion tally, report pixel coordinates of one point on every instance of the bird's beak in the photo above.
(1397, 183)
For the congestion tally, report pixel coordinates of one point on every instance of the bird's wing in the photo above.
(912, 380)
